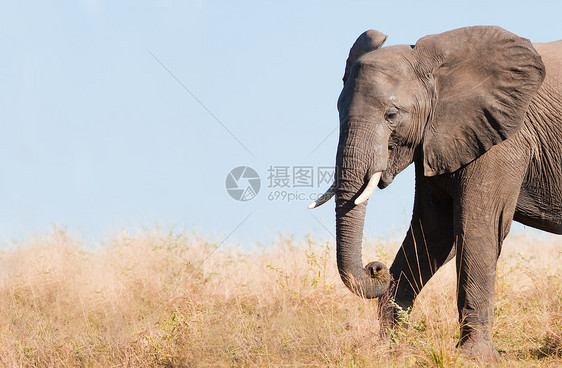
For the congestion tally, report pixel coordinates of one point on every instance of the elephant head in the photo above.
(440, 103)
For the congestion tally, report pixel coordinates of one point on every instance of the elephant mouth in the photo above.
(388, 175)
(386, 178)
(399, 157)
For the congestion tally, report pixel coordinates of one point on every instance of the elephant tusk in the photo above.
(371, 186)
(325, 197)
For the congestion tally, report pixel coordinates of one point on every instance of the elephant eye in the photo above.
(391, 114)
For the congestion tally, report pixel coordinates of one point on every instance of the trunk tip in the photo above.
(379, 272)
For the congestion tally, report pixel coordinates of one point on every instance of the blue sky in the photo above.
(101, 129)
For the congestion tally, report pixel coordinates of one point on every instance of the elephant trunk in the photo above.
(373, 280)
(353, 166)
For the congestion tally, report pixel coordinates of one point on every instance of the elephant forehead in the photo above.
(394, 59)
(386, 87)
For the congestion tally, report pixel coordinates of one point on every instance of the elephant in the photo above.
(478, 111)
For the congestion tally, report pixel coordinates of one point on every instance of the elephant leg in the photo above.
(483, 213)
(476, 270)
(425, 249)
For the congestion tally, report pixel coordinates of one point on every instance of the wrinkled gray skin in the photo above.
(478, 110)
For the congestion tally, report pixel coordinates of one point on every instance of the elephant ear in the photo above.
(483, 81)
(368, 41)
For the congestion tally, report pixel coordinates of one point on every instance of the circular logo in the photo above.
(243, 183)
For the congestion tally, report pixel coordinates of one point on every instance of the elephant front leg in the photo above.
(482, 217)
(416, 262)
(476, 269)
(425, 249)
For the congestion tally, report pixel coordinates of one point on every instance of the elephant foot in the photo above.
(479, 347)
(386, 320)
(392, 317)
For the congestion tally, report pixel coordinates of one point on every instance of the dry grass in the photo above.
(149, 300)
